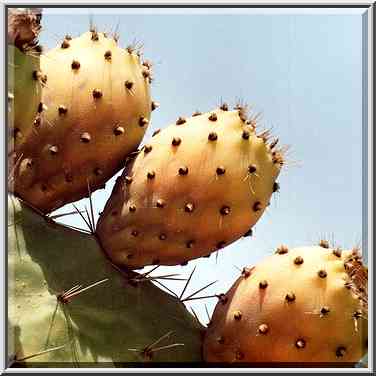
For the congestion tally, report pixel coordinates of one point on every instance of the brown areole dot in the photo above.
(324, 310)
(300, 343)
(156, 262)
(190, 243)
(222, 298)
(298, 260)
(154, 105)
(322, 273)
(157, 131)
(276, 187)
(213, 117)
(263, 284)
(248, 233)
(180, 121)
(65, 44)
(94, 36)
(257, 206)
(245, 135)
(237, 315)
(183, 170)
(150, 175)
(161, 203)
(97, 94)
(146, 73)
(143, 121)
(176, 141)
(41, 107)
(225, 210)
(43, 187)
(246, 272)
(340, 351)
(324, 244)
(128, 180)
(197, 113)
(128, 84)
(147, 149)
(68, 177)
(290, 297)
(252, 168)
(85, 137)
(282, 250)
(220, 170)
(53, 149)
(212, 136)
(221, 244)
(184, 263)
(37, 121)
(108, 55)
(135, 233)
(62, 110)
(337, 252)
(132, 208)
(118, 131)
(220, 340)
(68, 37)
(274, 143)
(263, 329)
(98, 171)
(75, 65)
(162, 236)
(224, 107)
(189, 207)
(239, 355)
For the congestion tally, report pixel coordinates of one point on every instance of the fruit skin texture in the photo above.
(275, 327)
(97, 326)
(189, 191)
(24, 95)
(89, 120)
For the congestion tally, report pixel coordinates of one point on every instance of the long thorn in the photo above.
(207, 312)
(195, 293)
(91, 205)
(172, 292)
(159, 339)
(89, 219)
(167, 347)
(40, 353)
(200, 297)
(194, 314)
(86, 288)
(186, 285)
(81, 215)
(74, 288)
(56, 216)
(150, 271)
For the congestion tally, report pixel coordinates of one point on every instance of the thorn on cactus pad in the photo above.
(298, 260)
(252, 168)
(143, 121)
(221, 244)
(196, 113)
(157, 131)
(276, 187)
(128, 180)
(337, 252)
(147, 149)
(37, 121)
(282, 250)
(263, 284)
(224, 107)
(324, 244)
(223, 299)
(220, 170)
(290, 297)
(213, 117)
(237, 315)
(146, 73)
(85, 137)
(246, 272)
(118, 131)
(62, 110)
(190, 243)
(150, 175)
(65, 44)
(257, 206)
(161, 203)
(94, 36)
(274, 143)
(135, 233)
(97, 94)
(184, 263)
(212, 136)
(68, 37)
(263, 329)
(183, 170)
(176, 141)
(300, 343)
(220, 340)
(108, 55)
(189, 207)
(180, 121)
(239, 355)
(340, 351)
(128, 84)
(41, 107)
(162, 237)
(322, 273)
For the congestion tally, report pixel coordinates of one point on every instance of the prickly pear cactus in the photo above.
(68, 305)
(307, 304)
(197, 186)
(94, 112)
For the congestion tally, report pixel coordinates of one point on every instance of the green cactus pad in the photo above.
(97, 327)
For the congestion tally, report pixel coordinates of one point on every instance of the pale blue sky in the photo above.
(302, 71)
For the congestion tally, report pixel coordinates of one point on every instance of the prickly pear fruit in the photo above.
(93, 113)
(24, 75)
(307, 304)
(69, 306)
(197, 186)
